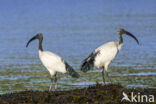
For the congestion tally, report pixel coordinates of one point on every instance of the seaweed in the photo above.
(95, 94)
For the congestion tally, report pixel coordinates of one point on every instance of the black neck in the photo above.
(40, 44)
(121, 39)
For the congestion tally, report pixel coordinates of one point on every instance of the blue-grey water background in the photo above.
(73, 29)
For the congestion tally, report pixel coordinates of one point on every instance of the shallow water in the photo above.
(73, 29)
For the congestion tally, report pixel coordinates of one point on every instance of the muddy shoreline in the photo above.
(96, 94)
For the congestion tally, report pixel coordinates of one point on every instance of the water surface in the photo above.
(73, 29)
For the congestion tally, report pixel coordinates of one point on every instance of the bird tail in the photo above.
(86, 66)
(71, 71)
(88, 62)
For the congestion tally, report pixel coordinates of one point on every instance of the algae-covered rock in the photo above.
(97, 94)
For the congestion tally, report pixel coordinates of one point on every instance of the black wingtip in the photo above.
(88, 63)
(85, 68)
(71, 71)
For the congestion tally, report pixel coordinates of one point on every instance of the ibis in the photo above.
(52, 62)
(103, 55)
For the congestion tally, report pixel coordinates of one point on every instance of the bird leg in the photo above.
(103, 73)
(109, 77)
(51, 83)
(55, 80)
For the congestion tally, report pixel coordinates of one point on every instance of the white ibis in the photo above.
(53, 62)
(103, 55)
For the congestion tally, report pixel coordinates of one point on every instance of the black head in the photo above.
(122, 31)
(37, 36)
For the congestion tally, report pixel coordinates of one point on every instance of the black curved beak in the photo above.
(33, 38)
(128, 33)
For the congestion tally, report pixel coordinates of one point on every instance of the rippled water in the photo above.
(73, 29)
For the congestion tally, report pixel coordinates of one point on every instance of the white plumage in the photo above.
(107, 53)
(53, 62)
(103, 55)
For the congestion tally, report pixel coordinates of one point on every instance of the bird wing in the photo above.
(53, 62)
(107, 53)
(71, 71)
(89, 61)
